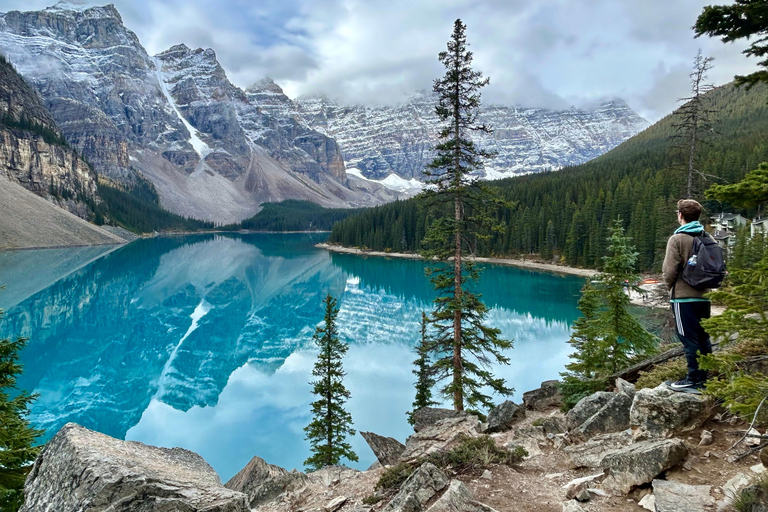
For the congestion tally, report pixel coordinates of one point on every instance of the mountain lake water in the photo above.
(205, 341)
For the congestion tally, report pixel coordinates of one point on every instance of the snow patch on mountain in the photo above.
(194, 140)
(392, 182)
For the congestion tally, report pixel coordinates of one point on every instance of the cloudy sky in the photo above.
(551, 53)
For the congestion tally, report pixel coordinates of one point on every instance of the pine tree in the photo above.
(607, 337)
(17, 437)
(331, 424)
(464, 346)
(423, 371)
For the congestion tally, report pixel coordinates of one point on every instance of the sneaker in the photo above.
(686, 386)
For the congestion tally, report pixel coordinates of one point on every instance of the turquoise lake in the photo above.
(205, 341)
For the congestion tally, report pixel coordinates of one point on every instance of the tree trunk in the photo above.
(458, 389)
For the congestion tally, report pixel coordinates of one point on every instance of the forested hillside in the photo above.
(567, 213)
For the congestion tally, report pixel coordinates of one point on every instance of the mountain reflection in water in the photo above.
(205, 341)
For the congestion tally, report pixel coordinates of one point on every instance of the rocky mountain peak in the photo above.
(266, 84)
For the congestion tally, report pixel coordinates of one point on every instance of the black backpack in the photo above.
(705, 267)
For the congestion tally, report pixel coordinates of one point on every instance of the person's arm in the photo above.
(672, 260)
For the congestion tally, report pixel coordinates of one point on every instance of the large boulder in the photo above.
(504, 416)
(428, 416)
(679, 497)
(418, 489)
(458, 498)
(263, 482)
(441, 436)
(660, 411)
(386, 449)
(332, 475)
(591, 453)
(81, 470)
(543, 398)
(599, 413)
(641, 462)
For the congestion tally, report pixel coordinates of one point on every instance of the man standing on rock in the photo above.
(688, 303)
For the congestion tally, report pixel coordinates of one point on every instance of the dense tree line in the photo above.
(294, 215)
(567, 213)
(137, 208)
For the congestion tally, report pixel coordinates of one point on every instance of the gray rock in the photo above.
(386, 449)
(458, 498)
(335, 504)
(571, 506)
(660, 411)
(625, 387)
(552, 425)
(548, 395)
(586, 408)
(504, 416)
(263, 482)
(641, 462)
(428, 416)
(440, 436)
(706, 438)
(84, 470)
(418, 489)
(591, 453)
(332, 475)
(738, 482)
(678, 497)
(600, 413)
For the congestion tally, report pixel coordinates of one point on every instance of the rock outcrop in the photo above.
(548, 395)
(660, 411)
(33, 151)
(641, 462)
(440, 436)
(504, 416)
(679, 497)
(263, 482)
(83, 470)
(590, 454)
(599, 413)
(386, 449)
(418, 489)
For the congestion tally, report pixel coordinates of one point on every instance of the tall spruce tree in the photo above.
(607, 337)
(464, 347)
(423, 372)
(17, 437)
(331, 424)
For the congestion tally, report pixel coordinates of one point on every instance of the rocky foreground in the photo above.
(625, 450)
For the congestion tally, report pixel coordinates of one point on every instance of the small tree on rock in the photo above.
(463, 345)
(331, 424)
(424, 373)
(17, 437)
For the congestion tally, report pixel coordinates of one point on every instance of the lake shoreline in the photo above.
(528, 265)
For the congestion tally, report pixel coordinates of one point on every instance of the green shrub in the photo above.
(752, 498)
(670, 370)
(372, 499)
(394, 476)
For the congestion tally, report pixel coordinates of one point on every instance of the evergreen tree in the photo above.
(743, 19)
(750, 192)
(607, 337)
(423, 371)
(331, 424)
(17, 437)
(464, 346)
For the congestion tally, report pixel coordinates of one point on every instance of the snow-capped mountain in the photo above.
(381, 141)
(174, 117)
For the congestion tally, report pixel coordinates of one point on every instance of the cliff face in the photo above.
(380, 141)
(32, 153)
(173, 117)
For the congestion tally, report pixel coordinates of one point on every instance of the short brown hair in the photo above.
(690, 209)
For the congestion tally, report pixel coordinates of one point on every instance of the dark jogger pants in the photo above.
(688, 316)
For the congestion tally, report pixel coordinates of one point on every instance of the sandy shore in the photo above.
(530, 265)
